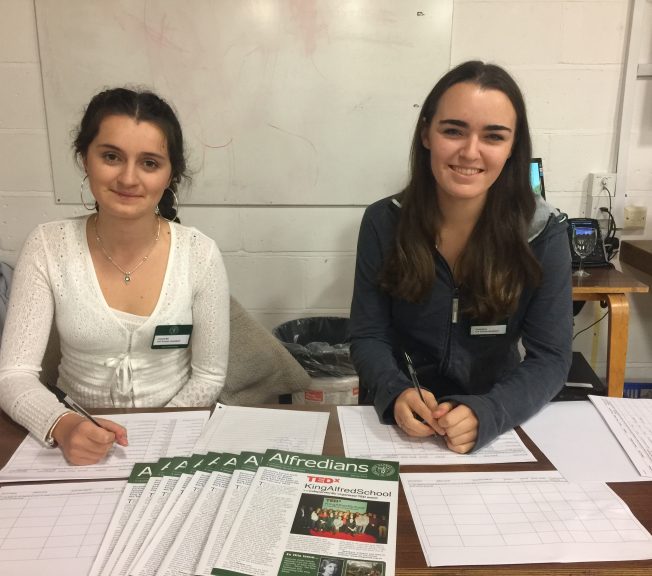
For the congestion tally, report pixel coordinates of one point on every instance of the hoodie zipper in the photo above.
(454, 315)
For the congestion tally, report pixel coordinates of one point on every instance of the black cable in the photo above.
(591, 325)
(610, 241)
(611, 227)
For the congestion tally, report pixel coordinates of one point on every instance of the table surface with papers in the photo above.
(409, 555)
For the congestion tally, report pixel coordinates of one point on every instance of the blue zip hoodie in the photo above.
(485, 372)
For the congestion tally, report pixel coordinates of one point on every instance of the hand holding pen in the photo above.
(457, 423)
(84, 439)
(414, 407)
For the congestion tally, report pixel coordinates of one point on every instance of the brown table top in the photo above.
(607, 281)
(637, 253)
(409, 557)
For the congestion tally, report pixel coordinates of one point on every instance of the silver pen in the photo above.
(413, 375)
(70, 403)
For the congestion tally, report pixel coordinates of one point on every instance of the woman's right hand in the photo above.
(84, 443)
(408, 404)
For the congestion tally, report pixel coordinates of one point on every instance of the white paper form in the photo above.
(476, 518)
(236, 491)
(239, 429)
(365, 436)
(630, 419)
(151, 558)
(54, 529)
(151, 436)
(577, 440)
(186, 549)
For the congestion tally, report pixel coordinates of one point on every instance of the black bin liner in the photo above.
(319, 344)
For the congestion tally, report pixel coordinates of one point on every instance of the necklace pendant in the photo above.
(127, 279)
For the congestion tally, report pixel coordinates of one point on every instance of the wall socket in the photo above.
(635, 217)
(600, 193)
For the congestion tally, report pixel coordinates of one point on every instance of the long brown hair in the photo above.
(497, 263)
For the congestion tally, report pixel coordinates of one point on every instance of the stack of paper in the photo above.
(170, 510)
(163, 517)
(630, 419)
(253, 513)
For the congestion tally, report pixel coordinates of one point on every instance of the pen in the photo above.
(413, 375)
(70, 403)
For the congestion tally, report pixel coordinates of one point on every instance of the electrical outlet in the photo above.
(600, 193)
(602, 184)
(635, 217)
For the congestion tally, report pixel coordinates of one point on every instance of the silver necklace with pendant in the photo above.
(127, 273)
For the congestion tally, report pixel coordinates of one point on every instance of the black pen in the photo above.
(70, 403)
(413, 375)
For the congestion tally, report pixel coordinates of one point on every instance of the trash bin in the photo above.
(319, 345)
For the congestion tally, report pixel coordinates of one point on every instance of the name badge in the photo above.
(489, 330)
(172, 336)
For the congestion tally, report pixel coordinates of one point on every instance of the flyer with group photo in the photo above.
(313, 515)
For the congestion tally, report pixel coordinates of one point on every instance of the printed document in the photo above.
(184, 553)
(477, 518)
(151, 436)
(187, 467)
(134, 489)
(365, 436)
(147, 519)
(104, 566)
(307, 514)
(166, 533)
(245, 469)
(239, 429)
(630, 419)
(54, 529)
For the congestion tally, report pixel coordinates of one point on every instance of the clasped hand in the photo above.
(456, 423)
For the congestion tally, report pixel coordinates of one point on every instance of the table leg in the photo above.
(617, 346)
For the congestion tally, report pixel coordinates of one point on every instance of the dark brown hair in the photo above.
(141, 106)
(497, 263)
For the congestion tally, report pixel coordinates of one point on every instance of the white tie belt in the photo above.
(122, 385)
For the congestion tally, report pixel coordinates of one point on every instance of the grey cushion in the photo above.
(260, 368)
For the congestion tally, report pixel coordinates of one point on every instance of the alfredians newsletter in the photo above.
(310, 515)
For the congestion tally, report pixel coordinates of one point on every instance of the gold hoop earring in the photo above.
(81, 194)
(175, 206)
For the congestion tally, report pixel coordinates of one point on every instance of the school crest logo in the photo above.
(383, 470)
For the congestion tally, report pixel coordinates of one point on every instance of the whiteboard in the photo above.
(283, 102)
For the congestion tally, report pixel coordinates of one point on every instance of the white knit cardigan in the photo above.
(104, 362)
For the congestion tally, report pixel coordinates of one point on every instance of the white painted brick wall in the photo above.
(25, 161)
(284, 229)
(289, 262)
(18, 32)
(21, 99)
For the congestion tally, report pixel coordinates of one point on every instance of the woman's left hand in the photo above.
(460, 425)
